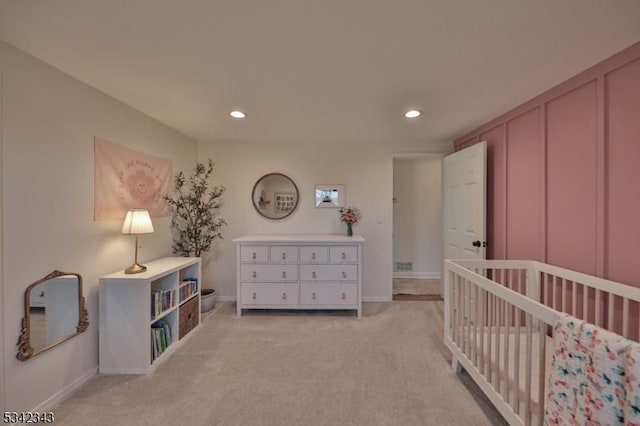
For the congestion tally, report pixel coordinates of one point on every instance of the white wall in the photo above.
(365, 170)
(417, 217)
(2, 313)
(48, 123)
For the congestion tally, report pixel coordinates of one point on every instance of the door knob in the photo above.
(478, 243)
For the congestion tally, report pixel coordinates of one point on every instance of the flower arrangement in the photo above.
(349, 215)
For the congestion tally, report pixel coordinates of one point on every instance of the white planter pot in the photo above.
(207, 299)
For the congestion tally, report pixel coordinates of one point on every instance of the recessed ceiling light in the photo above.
(237, 114)
(413, 113)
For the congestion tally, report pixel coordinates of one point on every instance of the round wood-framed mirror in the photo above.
(275, 196)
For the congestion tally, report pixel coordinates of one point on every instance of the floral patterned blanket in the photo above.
(594, 378)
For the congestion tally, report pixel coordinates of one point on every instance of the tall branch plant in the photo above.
(195, 220)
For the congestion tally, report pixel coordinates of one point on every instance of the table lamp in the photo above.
(137, 222)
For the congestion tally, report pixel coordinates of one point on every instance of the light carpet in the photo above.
(417, 286)
(278, 368)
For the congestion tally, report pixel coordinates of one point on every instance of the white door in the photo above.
(464, 203)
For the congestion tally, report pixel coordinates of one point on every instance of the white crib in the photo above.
(499, 317)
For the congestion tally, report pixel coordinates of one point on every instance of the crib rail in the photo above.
(517, 275)
(499, 334)
(607, 304)
(498, 321)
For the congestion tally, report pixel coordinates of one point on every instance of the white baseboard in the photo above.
(423, 275)
(65, 392)
(227, 298)
(376, 299)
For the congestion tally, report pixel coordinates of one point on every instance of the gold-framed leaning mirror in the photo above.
(275, 196)
(54, 312)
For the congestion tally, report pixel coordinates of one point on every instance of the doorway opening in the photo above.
(417, 227)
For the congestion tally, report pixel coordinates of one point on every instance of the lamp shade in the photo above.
(137, 221)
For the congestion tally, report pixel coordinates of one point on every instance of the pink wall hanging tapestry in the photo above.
(126, 179)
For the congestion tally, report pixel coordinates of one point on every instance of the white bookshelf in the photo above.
(125, 317)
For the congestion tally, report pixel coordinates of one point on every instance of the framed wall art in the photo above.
(285, 202)
(329, 196)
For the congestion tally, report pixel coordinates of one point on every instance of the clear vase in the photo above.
(349, 229)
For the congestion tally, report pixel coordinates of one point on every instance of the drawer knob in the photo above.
(314, 275)
(344, 256)
(253, 296)
(253, 255)
(344, 296)
(313, 256)
(313, 296)
(284, 296)
(284, 274)
(344, 274)
(284, 256)
(189, 316)
(254, 274)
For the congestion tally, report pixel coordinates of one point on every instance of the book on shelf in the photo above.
(162, 300)
(188, 287)
(160, 338)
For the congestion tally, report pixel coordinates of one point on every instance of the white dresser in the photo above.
(299, 271)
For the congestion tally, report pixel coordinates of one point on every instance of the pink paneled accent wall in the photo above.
(571, 179)
(495, 190)
(623, 173)
(524, 239)
(564, 173)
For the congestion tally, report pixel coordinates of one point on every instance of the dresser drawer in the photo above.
(269, 294)
(283, 254)
(268, 273)
(254, 253)
(314, 254)
(343, 254)
(328, 272)
(188, 316)
(328, 294)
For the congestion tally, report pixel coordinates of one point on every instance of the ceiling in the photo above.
(321, 71)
